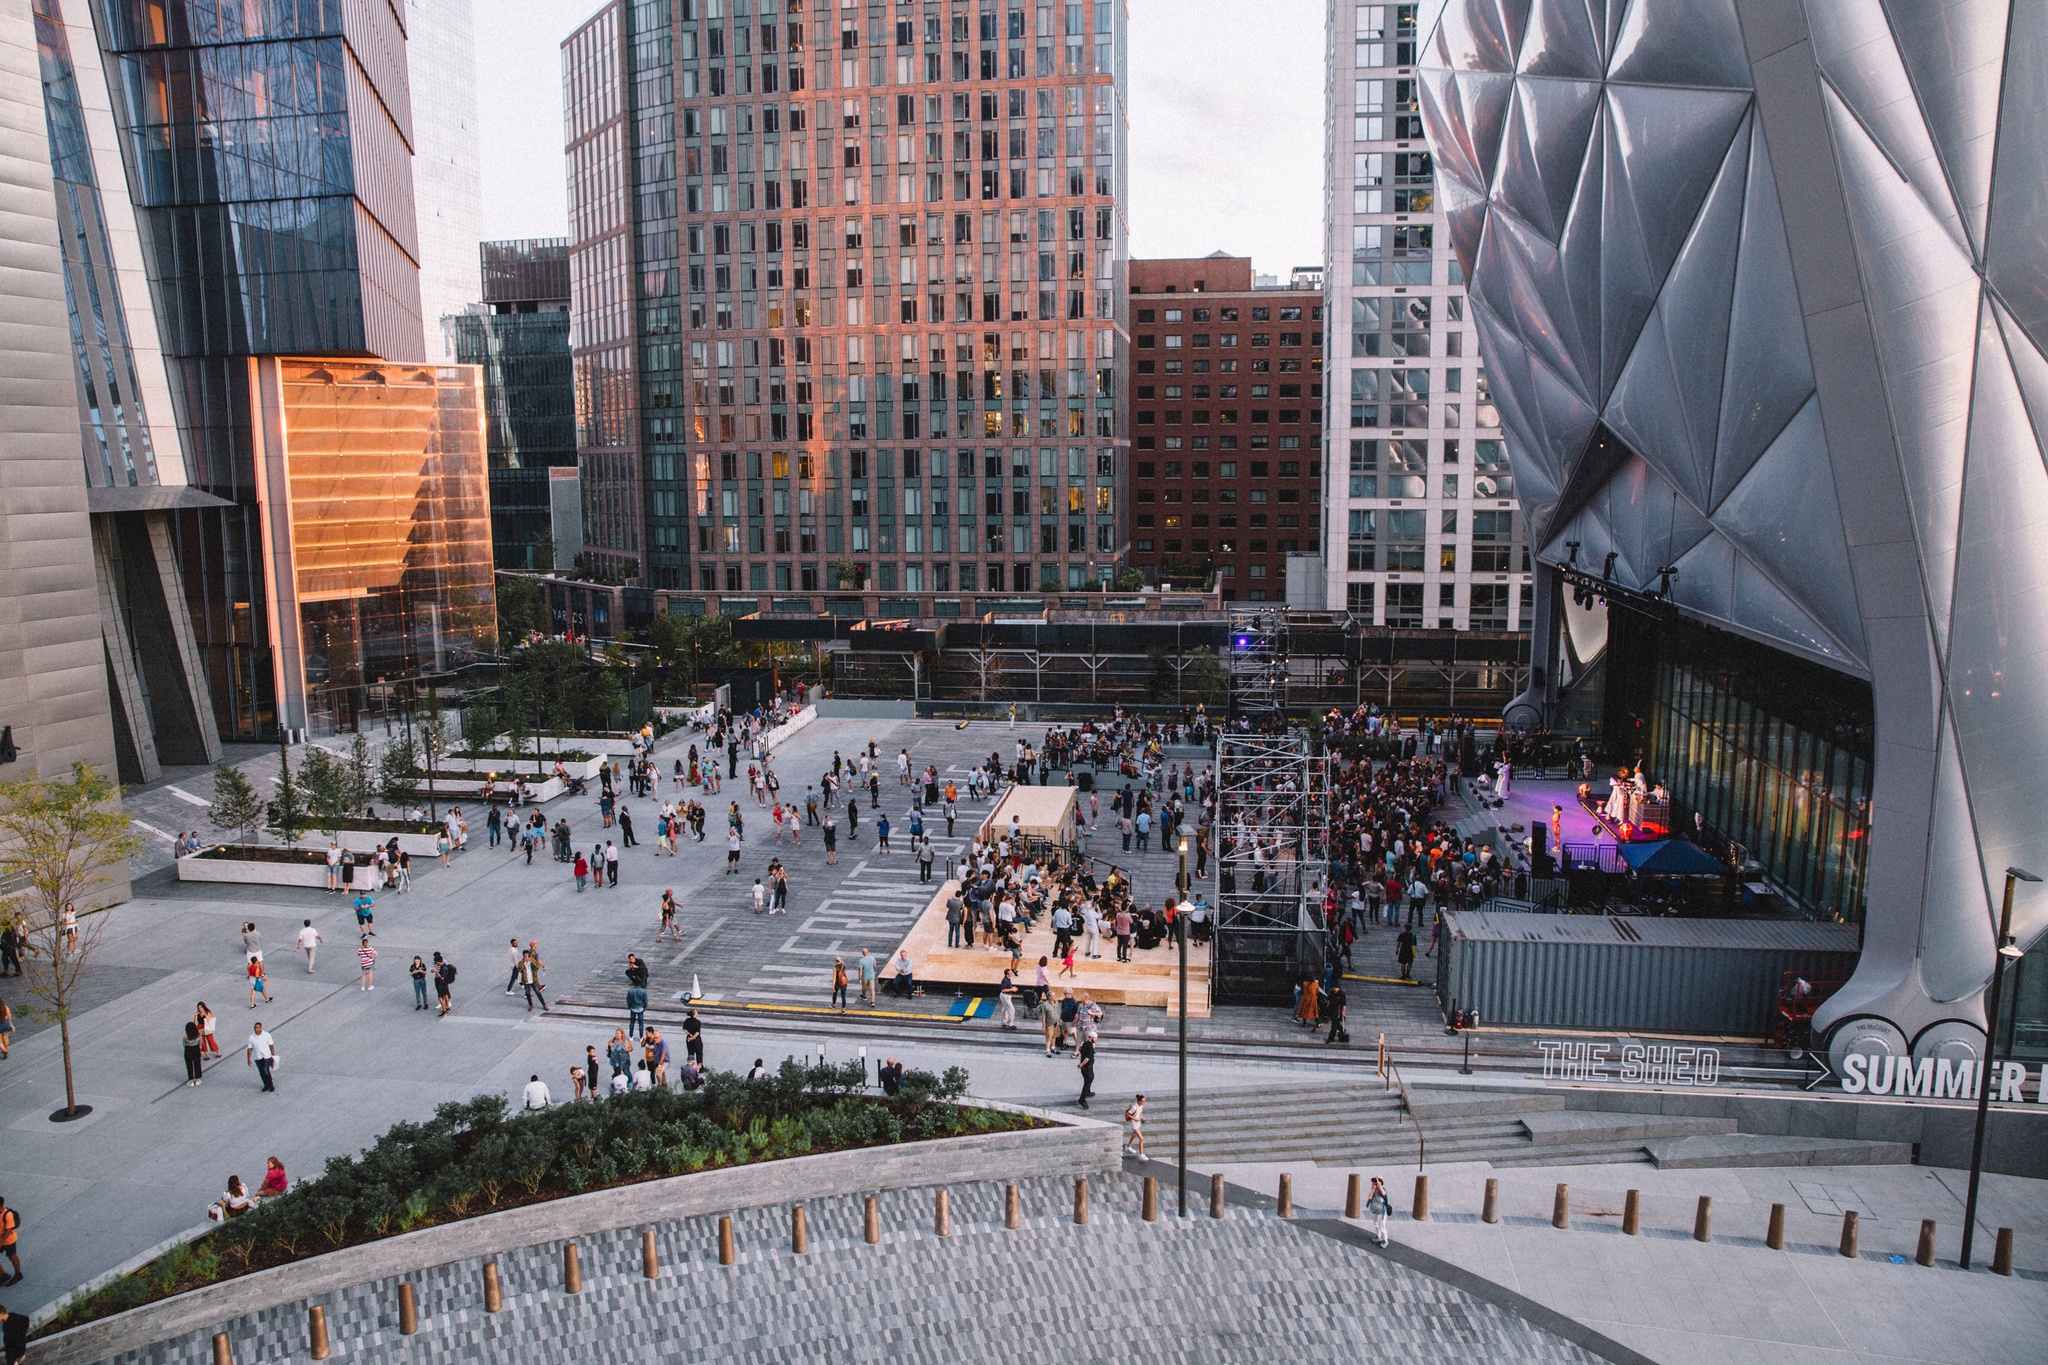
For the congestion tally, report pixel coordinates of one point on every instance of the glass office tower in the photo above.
(850, 296)
(268, 149)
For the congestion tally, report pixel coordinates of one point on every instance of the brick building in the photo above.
(1226, 403)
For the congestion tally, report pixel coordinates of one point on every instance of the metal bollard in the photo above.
(1011, 1213)
(1216, 1196)
(650, 1256)
(1080, 1199)
(1149, 1209)
(223, 1352)
(726, 1252)
(1925, 1255)
(1354, 1197)
(1286, 1208)
(871, 1221)
(408, 1311)
(2001, 1253)
(316, 1332)
(1419, 1210)
(942, 1215)
(1632, 1214)
(1849, 1220)
(1561, 1207)
(572, 1270)
(799, 1234)
(493, 1298)
(1775, 1237)
(1489, 1207)
(1703, 1221)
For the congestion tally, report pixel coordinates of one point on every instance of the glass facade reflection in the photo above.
(530, 404)
(268, 146)
(1771, 752)
(376, 496)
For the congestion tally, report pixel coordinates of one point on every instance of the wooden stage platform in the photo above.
(1151, 978)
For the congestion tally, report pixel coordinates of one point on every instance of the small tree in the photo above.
(237, 806)
(288, 816)
(60, 841)
(398, 772)
(326, 784)
(362, 779)
(607, 699)
(431, 728)
(518, 725)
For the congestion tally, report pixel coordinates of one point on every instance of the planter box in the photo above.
(586, 768)
(1078, 1146)
(796, 723)
(250, 872)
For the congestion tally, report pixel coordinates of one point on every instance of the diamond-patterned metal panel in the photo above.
(1694, 42)
(1954, 53)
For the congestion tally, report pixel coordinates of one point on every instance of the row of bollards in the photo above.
(942, 1225)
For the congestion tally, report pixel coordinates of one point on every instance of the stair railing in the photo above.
(1390, 1079)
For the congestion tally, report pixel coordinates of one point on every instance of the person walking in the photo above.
(831, 828)
(259, 987)
(760, 894)
(1134, 1115)
(839, 984)
(418, 972)
(636, 1010)
(194, 1053)
(1334, 1005)
(261, 1052)
(444, 984)
(611, 862)
(926, 856)
(10, 1247)
(309, 942)
(582, 870)
(366, 964)
(1085, 1061)
(515, 953)
(530, 968)
(209, 1037)
(1379, 1208)
(1404, 952)
(866, 964)
(668, 917)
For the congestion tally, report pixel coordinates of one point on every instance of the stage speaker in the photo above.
(1539, 850)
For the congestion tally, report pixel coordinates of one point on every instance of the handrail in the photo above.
(1390, 1078)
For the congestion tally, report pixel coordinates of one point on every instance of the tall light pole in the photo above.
(1180, 928)
(2006, 949)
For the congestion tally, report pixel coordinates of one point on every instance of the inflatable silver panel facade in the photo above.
(1791, 255)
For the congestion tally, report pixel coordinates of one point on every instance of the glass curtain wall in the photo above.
(1773, 754)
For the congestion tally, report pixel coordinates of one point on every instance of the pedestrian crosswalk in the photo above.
(872, 907)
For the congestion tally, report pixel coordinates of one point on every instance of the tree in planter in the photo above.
(518, 707)
(847, 573)
(237, 806)
(607, 699)
(431, 728)
(326, 786)
(60, 841)
(362, 783)
(398, 772)
(288, 815)
(482, 723)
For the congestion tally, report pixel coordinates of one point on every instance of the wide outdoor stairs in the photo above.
(1365, 1124)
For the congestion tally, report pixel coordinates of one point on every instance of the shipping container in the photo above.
(1712, 976)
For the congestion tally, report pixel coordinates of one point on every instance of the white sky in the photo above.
(1226, 125)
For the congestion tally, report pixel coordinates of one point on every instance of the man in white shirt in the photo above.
(309, 943)
(261, 1052)
(535, 1096)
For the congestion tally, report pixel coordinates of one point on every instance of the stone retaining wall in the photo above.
(1078, 1146)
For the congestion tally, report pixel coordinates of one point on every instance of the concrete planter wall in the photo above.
(251, 873)
(1076, 1147)
(359, 840)
(801, 720)
(585, 768)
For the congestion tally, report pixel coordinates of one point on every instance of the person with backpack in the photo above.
(1379, 1207)
(444, 983)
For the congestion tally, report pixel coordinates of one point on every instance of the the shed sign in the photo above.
(1630, 1062)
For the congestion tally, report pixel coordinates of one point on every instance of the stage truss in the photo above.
(1272, 824)
(1257, 661)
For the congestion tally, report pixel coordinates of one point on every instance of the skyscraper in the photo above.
(1421, 523)
(234, 184)
(850, 295)
(521, 341)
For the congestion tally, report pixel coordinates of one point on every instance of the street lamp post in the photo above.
(1180, 926)
(2006, 949)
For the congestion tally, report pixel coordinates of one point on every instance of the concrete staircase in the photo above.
(1362, 1125)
